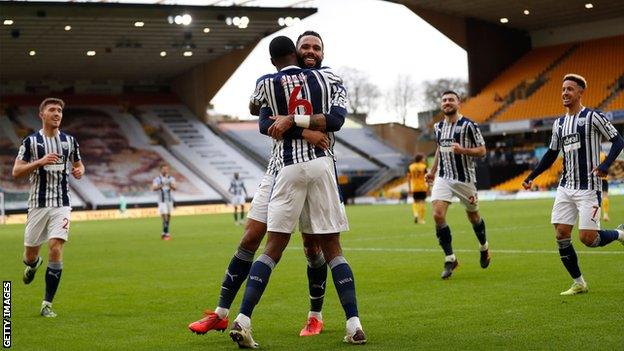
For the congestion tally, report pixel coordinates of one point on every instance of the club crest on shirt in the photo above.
(64, 145)
(457, 129)
(581, 122)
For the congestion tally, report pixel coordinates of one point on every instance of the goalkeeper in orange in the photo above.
(418, 187)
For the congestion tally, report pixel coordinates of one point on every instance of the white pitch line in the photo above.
(414, 249)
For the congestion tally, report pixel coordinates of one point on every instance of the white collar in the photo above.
(290, 67)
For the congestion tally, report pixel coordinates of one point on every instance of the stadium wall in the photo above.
(199, 85)
(403, 138)
(491, 49)
(578, 32)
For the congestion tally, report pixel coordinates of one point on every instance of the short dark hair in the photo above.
(578, 79)
(281, 46)
(312, 33)
(419, 157)
(51, 101)
(451, 92)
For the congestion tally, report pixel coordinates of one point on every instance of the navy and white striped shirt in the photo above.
(49, 184)
(467, 134)
(237, 187)
(294, 90)
(164, 193)
(579, 136)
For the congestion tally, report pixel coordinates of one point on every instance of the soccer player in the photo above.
(237, 188)
(305, 188)
(418, 187)
(579, 134)
(164, 184)
(256, 227)
(48, 157)
(459, 143)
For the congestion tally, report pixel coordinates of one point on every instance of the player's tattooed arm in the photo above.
(78, 169)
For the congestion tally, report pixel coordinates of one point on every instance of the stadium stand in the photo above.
(359, 137)
(201, 149)
(545, 181)
(600, 61)
(252, 142)
(513, 81)
(617, 103)
(119, 157)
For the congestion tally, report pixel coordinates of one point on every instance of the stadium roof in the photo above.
(124, 49)
(542, 13)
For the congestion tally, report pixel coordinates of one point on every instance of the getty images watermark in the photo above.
(6, 314)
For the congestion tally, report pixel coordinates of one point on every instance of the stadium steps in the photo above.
(615, 91)
(599, 70)
(546, 180)
(203, 151)
(245, 150)
(362, 153)
(378, 180)
(538, 82)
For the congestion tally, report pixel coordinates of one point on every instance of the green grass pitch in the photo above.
(125, 289)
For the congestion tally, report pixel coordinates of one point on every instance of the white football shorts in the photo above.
(307, 193)
(572, 204)
(238, 200)
(444, 189)
(165, 208)
(45, 223)
(260, 202)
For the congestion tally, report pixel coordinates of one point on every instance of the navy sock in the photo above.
(345, 285)
(235, 275)
(235, 214)
(479, 230)
(256, 283)
(569, 258)
(604, 237)
(165, 226)
(317, 277)
(52, 279)
(445, 239)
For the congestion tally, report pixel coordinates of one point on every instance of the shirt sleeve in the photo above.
(555, 143)
(258, 95)
(76, 155)
(475, 135)
(156, 181)
(603, 125)
(24, 153)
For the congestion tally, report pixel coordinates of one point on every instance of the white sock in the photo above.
(222, 312)
(450, 258)
(317, 315)
(580, 280)
(353, 324)
(621, 236)
(484, 246)
(243, 320)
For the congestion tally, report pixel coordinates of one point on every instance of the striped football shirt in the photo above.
(467, 134)
(50, 184)
(294, 90)
(579, 136)
(164, 193)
